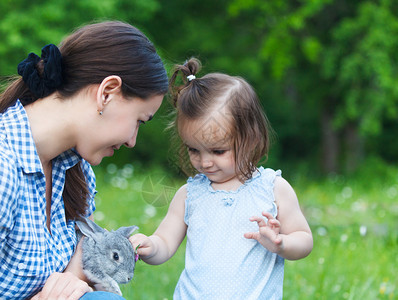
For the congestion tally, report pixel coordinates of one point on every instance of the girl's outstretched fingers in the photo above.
(268, 232)
(251, 235)
(255, 235)
(260, 221)
(272, 222)
(268, 215)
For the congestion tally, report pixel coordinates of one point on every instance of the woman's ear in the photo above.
(108, 88)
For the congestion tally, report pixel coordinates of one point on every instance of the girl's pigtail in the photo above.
(188, 74)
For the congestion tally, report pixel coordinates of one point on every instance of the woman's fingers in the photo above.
(50, 284)
(80, 291)
(63, 286)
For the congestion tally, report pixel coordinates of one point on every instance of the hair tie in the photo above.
(191, 77)
(51, 79)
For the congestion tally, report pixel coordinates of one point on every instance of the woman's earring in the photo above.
(100, 112)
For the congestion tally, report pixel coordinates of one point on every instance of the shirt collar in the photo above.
(69, 158)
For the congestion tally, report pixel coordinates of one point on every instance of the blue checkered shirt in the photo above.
(29, 253)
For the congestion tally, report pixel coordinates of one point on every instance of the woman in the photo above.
(72, 107)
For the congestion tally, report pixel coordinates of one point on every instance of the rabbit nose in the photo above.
(130, 277)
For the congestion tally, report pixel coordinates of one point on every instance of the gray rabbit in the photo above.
(108, 257)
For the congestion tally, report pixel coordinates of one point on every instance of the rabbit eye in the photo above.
(115, 256)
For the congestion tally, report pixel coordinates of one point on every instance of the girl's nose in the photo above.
(206, 162)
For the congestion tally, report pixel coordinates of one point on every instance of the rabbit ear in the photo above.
(88, 227)
(127, 231)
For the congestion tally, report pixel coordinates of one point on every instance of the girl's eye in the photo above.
(219, 152)
(192, 150)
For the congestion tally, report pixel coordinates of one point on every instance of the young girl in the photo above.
(241, 221)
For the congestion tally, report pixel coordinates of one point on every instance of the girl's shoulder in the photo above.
(269, 171)
(197, 185)
(196, 179)
(265, 177)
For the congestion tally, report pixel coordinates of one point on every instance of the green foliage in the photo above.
(355, 53)
(353, 220)
(26, 26)
(364, 59)
(339, 59)
(304, 59)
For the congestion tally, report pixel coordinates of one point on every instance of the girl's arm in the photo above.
(294, 229)
(159, 247)
(289, 235)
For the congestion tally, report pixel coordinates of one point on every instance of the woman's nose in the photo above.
(131, 143)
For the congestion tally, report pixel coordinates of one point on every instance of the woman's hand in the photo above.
(269, 233)
(70, 285)
(65, 286)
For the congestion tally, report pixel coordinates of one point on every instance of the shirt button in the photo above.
(21, 266)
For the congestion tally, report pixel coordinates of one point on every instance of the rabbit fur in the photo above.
(108, 257)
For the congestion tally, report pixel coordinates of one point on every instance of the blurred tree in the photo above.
(26, 26)
(205, 29)
(338, 59)
(324, 69)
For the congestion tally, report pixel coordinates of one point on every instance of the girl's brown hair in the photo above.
(198, 98)
(90, 54)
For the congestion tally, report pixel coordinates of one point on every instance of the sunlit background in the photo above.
(326, 74)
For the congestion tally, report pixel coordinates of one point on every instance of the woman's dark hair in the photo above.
(197, 98)
(90, 54)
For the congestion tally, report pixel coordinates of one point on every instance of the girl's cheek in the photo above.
(194, 157)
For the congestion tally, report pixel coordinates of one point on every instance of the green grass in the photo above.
(354, 223)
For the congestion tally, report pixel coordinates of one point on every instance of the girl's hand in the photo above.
(145, 245)
(268, 234)
(63, 286)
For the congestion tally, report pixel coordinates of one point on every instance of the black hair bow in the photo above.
(42, 85)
